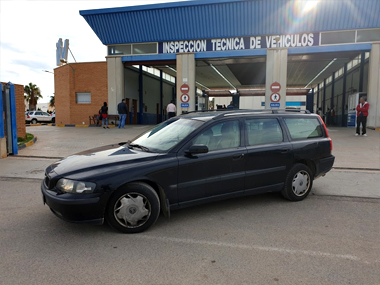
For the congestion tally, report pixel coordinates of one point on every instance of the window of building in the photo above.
(119, 50)
(371, 35)
(144, 48)
(343, 37)
(83, 97)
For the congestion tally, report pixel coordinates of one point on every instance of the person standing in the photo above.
(171, 109)
(123, 111)
(231, 106)
(104, 110)
(361, 116)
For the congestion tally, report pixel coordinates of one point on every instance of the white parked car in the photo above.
(34, 117)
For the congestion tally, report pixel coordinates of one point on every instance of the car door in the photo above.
(38, 116)
(219, 172)
(46, 117)
(269, 154)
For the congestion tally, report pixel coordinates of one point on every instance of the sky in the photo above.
(29, 31)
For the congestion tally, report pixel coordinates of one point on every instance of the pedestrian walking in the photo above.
(171, 109)
(123, 111)
(361, 116)
(104, 110)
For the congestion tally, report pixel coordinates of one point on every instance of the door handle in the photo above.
(238, 156)
(285, 150)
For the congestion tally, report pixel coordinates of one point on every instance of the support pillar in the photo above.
(318, 112)
(324, 101)
(332, 102)
(361, 74)
(344, 95)
(161, 97)
(373, 97)
(276, 71)
(3, 141)
(185, 75)
(141, 96)
(115, 74)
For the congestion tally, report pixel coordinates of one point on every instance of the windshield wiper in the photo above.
(132, 145)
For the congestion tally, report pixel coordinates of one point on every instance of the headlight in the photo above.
(72, 186)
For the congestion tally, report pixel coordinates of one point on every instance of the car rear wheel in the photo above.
(34, 121)
(298, 183)
(53, 120)
(134, 208)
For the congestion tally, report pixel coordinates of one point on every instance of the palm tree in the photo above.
(32, 94)
(52, 101)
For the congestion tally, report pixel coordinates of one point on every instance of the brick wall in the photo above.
(20, 110)
(88, 77)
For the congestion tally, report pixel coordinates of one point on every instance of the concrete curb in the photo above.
(69, 126)
(29, 143)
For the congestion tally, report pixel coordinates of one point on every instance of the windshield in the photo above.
(167, 134)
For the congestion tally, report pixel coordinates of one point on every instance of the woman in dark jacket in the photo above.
(104, 110)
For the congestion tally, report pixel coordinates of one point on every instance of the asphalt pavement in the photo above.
(332, 237)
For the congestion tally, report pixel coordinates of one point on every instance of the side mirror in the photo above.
(197, 149)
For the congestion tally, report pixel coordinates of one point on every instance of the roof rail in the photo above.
(227, 112)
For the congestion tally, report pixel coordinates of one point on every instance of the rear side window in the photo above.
(263, 131)
(304, 128)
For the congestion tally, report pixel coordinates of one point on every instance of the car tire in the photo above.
(298, 183)
(34, 121)
(133, 208)
(53, 120)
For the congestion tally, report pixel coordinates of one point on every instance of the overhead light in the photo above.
(327, 66)
(171, 68)
(200, 84)
(221, 75)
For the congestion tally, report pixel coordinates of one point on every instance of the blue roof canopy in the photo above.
(228, 18)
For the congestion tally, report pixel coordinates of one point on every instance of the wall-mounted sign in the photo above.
(240, 43)
(185, 105)
(275, 97)
(185, 98)
(275, 87)
(185, 88)
(275, 105)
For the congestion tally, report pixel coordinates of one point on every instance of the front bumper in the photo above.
(76, 208)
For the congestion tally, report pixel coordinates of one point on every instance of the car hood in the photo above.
(107, 156)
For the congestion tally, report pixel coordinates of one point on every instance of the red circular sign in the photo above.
(275, 87)
(185, 98)
(185, 88)
(275, 97)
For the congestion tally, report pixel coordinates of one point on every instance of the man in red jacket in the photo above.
(361, 116)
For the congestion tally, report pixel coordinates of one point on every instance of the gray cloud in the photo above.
(31, 64)
(9, 46)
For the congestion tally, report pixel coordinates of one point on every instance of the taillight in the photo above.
(28, 116)
(327, 133)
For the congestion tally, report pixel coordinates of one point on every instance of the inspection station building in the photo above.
(319, 55)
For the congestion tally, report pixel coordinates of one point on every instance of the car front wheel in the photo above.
(298, 183)
(134, 208)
